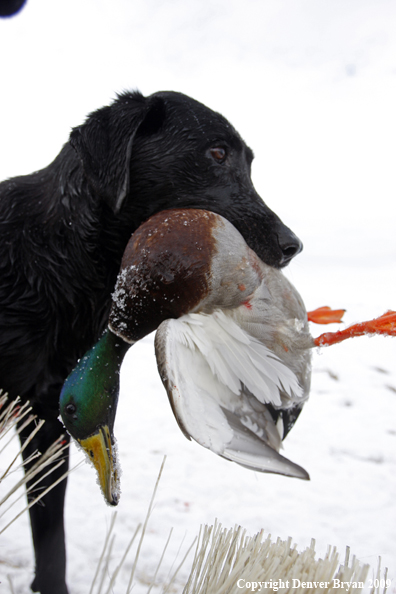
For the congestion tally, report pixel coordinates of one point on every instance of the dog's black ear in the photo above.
(105, 141)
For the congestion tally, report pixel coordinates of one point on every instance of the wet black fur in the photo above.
(63, 231)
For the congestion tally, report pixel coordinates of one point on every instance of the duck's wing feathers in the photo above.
(218, 380)
(249, 451)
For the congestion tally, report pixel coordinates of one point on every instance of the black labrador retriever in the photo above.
(64, 230)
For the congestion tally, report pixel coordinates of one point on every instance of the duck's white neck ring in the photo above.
(128, 341)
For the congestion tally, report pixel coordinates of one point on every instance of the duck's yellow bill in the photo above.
(101, 452)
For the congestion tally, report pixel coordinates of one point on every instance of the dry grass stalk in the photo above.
(104, 560)
(11, 414)
(227, 560)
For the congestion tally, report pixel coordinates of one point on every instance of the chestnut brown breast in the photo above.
(164, 253)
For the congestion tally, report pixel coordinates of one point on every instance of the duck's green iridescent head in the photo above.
(88, 404)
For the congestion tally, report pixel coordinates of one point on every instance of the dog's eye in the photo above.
(218, 153)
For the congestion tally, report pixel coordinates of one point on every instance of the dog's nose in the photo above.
(289, 244)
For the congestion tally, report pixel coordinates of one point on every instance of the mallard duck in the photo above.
(233, 345)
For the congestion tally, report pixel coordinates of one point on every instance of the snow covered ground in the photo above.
(311, 86)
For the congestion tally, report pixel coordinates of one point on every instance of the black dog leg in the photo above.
(46, 516)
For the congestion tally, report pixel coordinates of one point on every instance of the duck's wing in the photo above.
(218, 381)
(248, 450)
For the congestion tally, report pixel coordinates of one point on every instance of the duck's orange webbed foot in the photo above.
(325, 315)
(385, 324)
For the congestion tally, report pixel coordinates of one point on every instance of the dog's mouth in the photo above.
(273, 242)
(264, 232)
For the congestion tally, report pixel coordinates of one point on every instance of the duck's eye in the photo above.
(218, 153)
(71, 409)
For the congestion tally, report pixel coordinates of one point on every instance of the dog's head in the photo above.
(143, 155)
